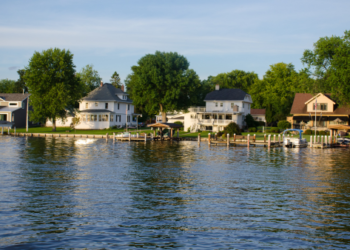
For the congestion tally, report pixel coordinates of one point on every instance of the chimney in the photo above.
(122, 87)
(217, 87)
(101, 84)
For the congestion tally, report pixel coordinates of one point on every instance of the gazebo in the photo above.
(165, 125)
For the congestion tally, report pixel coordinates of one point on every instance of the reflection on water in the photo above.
(77, 193)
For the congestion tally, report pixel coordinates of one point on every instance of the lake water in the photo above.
(86, 193)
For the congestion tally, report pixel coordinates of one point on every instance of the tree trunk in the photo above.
(53, 125)
(163, 113)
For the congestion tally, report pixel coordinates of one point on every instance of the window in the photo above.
(216, 104)
(128, 118)
(86, 105)
(84, 118)
(221, 104)
(13, 104)
(106, 105)
(104, 118)
(243, 104)
(99, 118)
(3, 117)
(118, 106)
(320, 106)
(96, 104)
(232, 105)
(111, 118)
(128, 106)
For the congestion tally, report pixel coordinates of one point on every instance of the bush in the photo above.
(223, 136)
(199, 131)
(322, 133)
(261, 123)
(252, 129)
(274, 130)
(283, 125)
(249, 120)
(308, 132)
(180, 123)
(220, 133)
(232, 128)
(259, 131)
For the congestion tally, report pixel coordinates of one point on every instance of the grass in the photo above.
(63, 130)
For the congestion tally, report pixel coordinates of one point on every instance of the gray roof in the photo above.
(8, 109)
(17, 97)
(95, 111)
(106, 93)
(226, 95)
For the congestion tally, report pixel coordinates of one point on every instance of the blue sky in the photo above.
(215, 36)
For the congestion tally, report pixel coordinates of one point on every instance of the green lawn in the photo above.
(63, 130)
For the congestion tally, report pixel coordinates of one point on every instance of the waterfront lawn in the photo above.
(68, 130)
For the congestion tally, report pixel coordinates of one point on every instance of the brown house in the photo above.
(13, 110)
(327, 112)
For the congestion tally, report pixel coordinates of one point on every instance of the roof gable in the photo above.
(226, 95)
(106, 93)
(13, 97)
(317, 96)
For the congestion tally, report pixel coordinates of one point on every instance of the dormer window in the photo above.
(106, 105)
(221, 104)
(321, 106)
(216, 104)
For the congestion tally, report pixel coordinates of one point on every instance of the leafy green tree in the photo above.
(115, 80)
(232, 128)
(20, 84)
(50, 78)
(330, 61)
(162, 82)
(90, 77)
(283, 124)
(249, 120)
(7, 86)
(235, 79)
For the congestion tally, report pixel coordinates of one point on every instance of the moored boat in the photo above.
(294, 142)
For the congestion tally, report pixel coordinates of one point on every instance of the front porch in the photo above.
(322, 122)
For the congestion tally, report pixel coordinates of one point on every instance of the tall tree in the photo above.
(330, 62)
(163, 82)
(90, 78)
(115, 80)
(20, 84)
(7, 86)
(236, 79)
(50, 78)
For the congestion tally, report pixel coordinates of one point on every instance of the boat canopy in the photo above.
(293, 129)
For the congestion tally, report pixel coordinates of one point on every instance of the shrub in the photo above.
(232, 128)
(223, 136)
(220, 133)
(199, 131)
(308, 132)
(322, 132)
(274, 130)
(180, 123)
(261, 123)
(283, 125)
(252, 129)
(249, 120)
(259, 131)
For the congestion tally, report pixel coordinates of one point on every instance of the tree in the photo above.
(330, 61)
(115, 80)
(7, 86)
(249, 120)
(50, 78)
(163, 82)
(90, 77)
(235, 79)
(20, 84)
(283, 124)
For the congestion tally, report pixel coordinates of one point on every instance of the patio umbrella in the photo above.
(338, 120)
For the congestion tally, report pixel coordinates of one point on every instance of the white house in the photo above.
(259, 115)
(104, 107)
(223, 106)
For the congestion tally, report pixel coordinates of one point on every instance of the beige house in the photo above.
(306, 106)
(258, 115)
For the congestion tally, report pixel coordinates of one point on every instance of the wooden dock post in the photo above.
(129, 136)
(228, 140)
(137, 135)
(269, 141)
(264, 138)
(171, 133)
(254, 138)
(216, 136)
(152, 136)
(321, 141)
(113, 136)
(315, 139)
(209, 139)
(145, 137)
(318, 139)
(310, 141)
(274, 138)
(279, 139)
(248, 137)
(199, 138)
(234, 137)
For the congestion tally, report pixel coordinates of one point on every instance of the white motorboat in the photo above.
(294, 142)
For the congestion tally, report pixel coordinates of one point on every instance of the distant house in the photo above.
(328, 112)
(258, 114)
(222, 106)
(13, 110)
